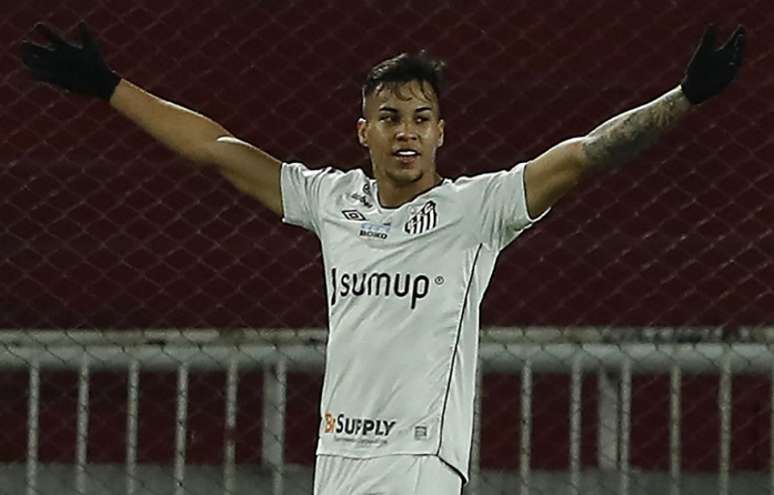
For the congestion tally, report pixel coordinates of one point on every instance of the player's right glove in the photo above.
(711, 70)
(79, 69)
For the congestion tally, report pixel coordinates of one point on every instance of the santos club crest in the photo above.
(422, 220)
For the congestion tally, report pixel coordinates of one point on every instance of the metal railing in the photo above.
(613, 355)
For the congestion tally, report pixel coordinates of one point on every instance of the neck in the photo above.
(392, 195)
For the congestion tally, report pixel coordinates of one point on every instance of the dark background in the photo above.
(102, 228)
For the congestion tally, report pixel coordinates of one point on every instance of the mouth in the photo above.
(406, 156)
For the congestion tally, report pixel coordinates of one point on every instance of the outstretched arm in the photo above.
(203, 142)
(82, 70)
(557, 171)
(623, 137)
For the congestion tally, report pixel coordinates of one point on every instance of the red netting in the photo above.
(104, 229)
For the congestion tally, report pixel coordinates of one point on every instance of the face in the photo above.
(402, 130)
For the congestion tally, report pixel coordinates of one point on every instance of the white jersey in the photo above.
(404, 286)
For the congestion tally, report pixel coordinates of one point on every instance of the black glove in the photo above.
(711, 70)
(78, 69)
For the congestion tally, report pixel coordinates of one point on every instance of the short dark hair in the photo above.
(404, 68)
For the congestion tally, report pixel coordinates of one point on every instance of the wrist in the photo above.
(108, 84)
(682, 98)
(688, 94)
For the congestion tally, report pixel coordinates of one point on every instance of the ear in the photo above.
(361, 132)
(441, 127)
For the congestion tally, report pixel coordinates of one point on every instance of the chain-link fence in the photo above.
(162, 329)
(582, 411)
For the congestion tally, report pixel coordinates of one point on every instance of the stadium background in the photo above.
(104, 229)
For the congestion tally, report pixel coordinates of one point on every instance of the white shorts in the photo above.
(388, 475)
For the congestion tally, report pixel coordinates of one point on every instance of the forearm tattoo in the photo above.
(623, 137)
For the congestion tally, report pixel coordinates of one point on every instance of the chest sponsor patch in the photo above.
(374, 230)
(411, 287)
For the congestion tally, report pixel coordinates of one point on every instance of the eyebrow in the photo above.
(395, 110)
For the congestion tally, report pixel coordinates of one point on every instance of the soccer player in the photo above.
(407, 253)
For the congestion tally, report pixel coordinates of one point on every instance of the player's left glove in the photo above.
(712, 70)
(80, 69)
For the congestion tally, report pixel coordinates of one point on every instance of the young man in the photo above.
(408, 254)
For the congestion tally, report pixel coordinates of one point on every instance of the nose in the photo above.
(406, 131)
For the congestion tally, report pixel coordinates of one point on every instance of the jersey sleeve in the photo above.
(302, 192)
(502, 207)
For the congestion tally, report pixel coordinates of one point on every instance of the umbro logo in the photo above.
(353, 215)
(424, 219)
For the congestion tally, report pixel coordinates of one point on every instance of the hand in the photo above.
(711, 71)
(79, 69)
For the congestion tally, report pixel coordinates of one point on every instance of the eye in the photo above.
(387, 118)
